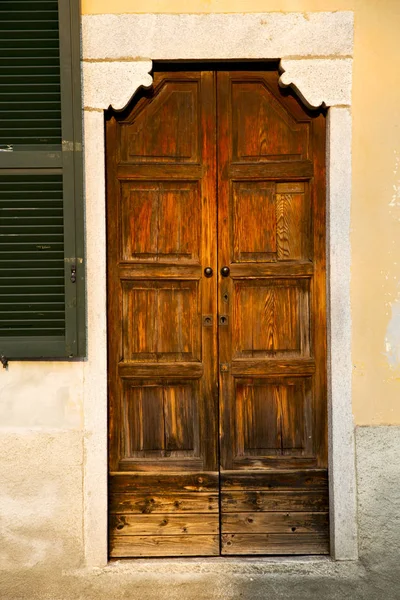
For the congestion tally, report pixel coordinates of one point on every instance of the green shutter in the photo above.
(41, 208)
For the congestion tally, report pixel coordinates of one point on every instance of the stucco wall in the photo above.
(375, 576)
(376, 184)
(41, 462)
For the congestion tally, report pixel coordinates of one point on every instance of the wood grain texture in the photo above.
(275, 543)
(311, 501)
(273, 417)
(121, 482)
(129, 546)
(306, 479)
(160, 221)
(148, 503)
(274, 522)
(191, 524)
(272, 318)
(166, 129)
(262, 130)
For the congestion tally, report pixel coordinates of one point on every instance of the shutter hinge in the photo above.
(4, 361)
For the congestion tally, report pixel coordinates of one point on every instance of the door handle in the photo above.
(208, 272)
(225, 271)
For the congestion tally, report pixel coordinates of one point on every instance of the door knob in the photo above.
(225, 271)
(208, 272)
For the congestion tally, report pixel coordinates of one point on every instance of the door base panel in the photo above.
(276, 512)
(134, 546)
(275, 543)
(166, 514)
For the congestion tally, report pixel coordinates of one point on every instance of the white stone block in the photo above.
(217, 36)
(319, 81)
(114, 83)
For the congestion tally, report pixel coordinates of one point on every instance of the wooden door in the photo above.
(272, 333)
(218, 170)
(162, 352)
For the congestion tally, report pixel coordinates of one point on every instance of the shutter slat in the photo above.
(32, 255)
(29, 71)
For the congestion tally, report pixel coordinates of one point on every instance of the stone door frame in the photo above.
(315, 52)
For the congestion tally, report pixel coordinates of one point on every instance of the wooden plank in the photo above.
(275, 501)
(154, 172)
(163, 482)
(275, 543)
(186, 370)
(173, 503)
(273, 463)
(319, 308)
(168, 465)
(148, 271)
(280, 480)
(260, 366)
(299, 269)
(191, 524)
(295, 169)
(164, 545)
(274, 522)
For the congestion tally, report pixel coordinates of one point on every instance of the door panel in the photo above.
(272, 375)
(162, 360)
(216, 169)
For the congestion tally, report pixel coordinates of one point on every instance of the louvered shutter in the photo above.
(41, 212)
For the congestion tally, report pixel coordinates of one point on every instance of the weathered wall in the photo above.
(376, 184)
(375, 576)
(41, 460)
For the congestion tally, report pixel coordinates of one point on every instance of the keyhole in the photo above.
(223, 320)
(207, 321)
(225, 297)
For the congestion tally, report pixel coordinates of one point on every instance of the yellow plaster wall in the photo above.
(376, 184)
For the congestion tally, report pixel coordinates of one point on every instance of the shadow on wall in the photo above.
(375, 577)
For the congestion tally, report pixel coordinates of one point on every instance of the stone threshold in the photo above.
(247, 565)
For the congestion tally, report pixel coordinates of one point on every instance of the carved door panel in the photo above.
(162, 355)
(271, 228)
(220, 170)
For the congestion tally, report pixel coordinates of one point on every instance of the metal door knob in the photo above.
(225, 271)
(208, 272)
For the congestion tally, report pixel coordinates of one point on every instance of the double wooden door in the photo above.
(216, 319)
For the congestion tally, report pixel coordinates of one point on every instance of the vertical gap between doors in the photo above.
(218, 305)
